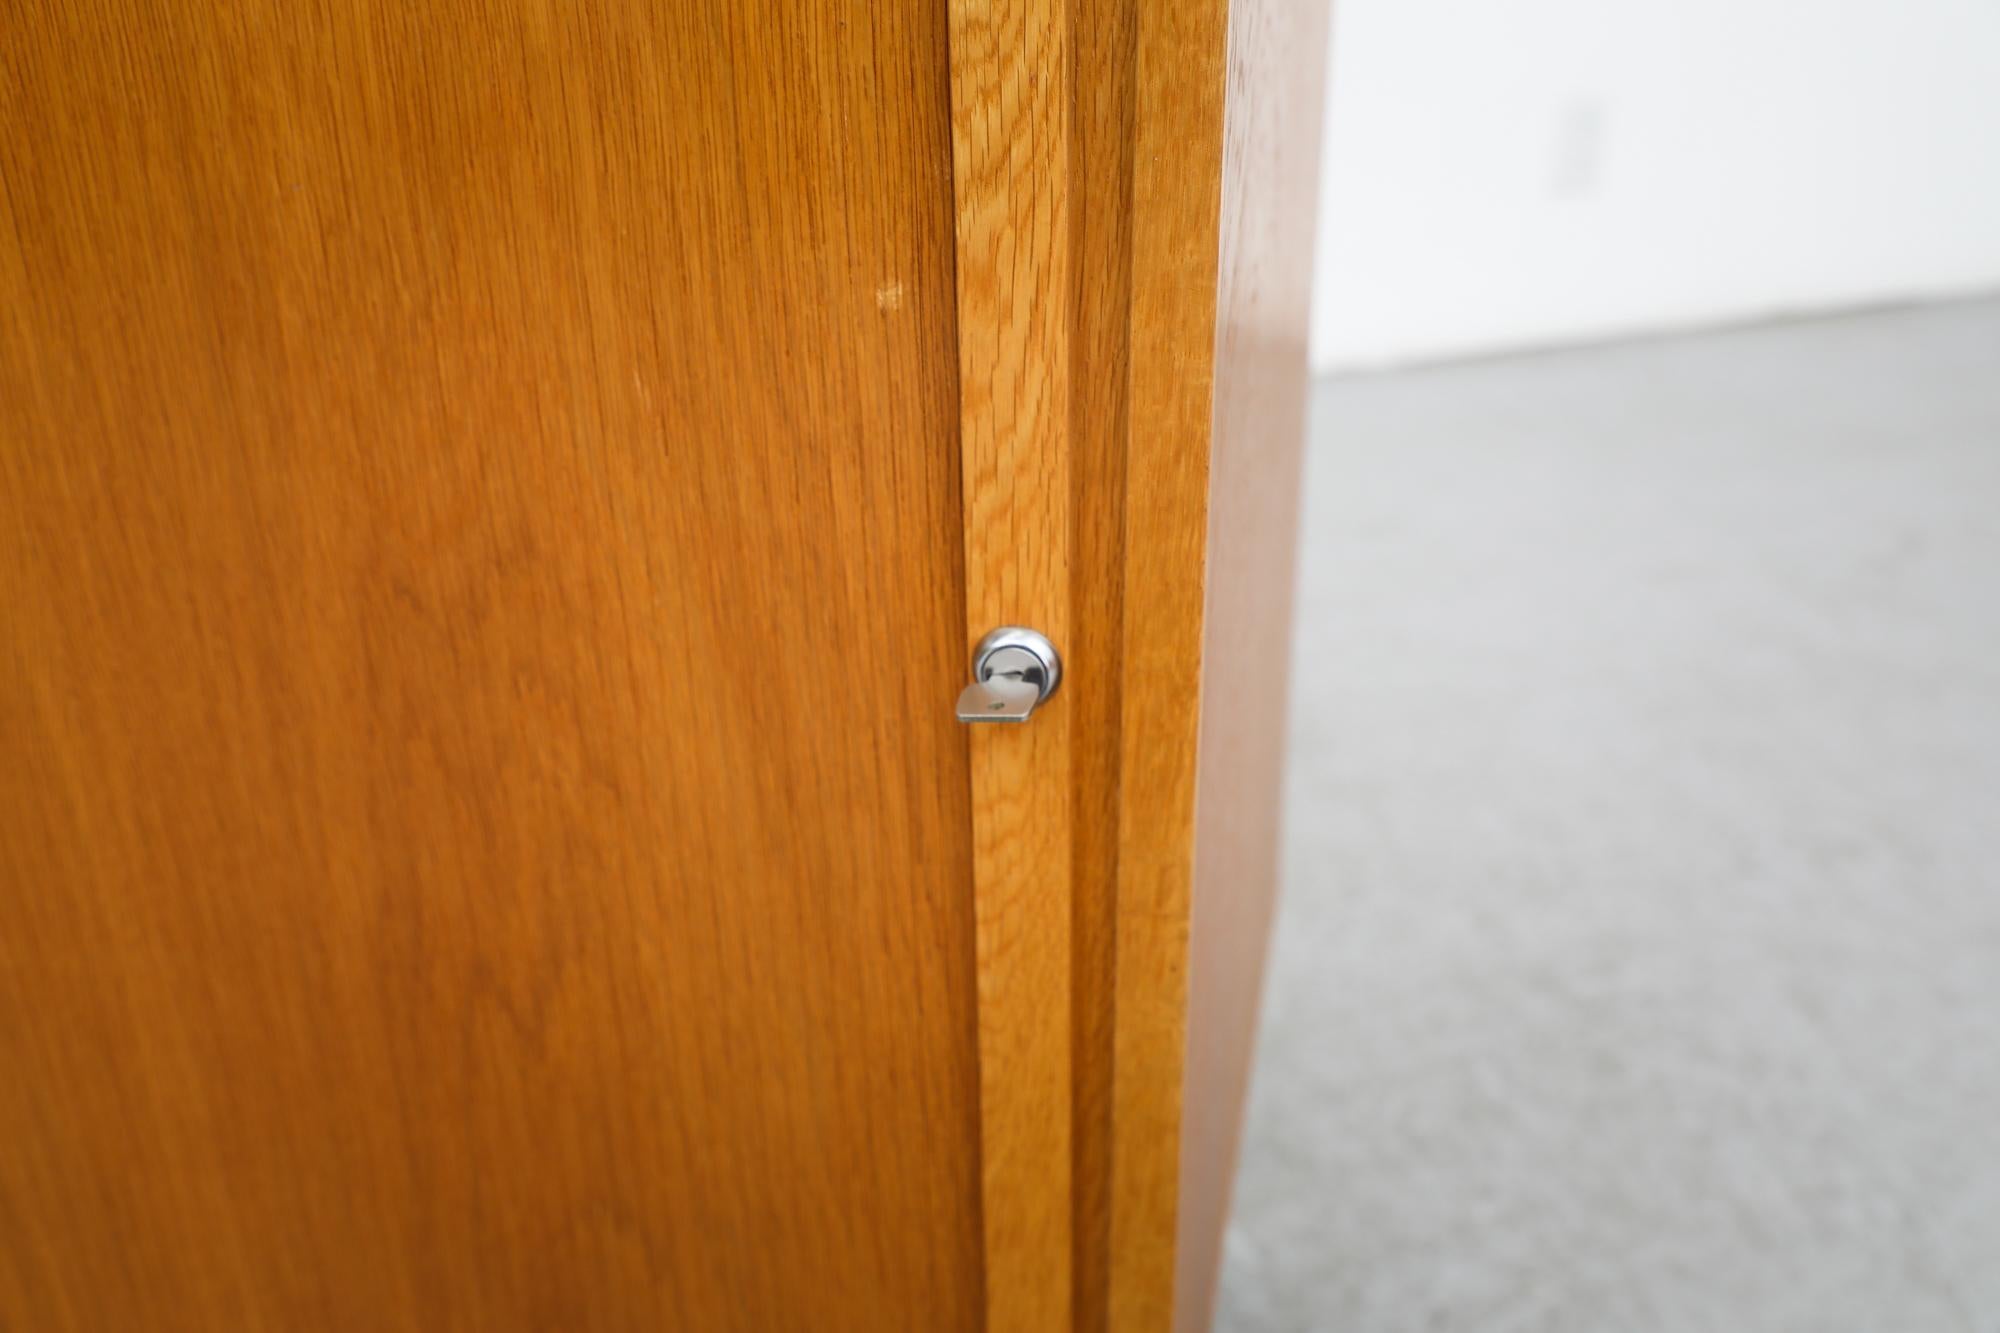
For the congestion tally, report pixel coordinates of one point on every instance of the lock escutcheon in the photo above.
(1013, 669)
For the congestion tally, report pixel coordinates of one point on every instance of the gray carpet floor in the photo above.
(1638, 966)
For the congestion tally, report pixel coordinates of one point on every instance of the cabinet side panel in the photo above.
(1270, 166)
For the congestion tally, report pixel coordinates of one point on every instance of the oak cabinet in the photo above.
(496, 500)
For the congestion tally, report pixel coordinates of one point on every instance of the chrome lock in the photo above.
(1013, 670)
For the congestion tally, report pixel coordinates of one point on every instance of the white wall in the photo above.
(1502, 175)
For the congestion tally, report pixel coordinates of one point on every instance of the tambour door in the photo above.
(453, 461)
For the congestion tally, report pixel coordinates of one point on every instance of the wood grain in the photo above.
(444, 881)
(1270, 162)
(1011, 151)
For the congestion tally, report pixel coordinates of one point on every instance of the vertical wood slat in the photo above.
(1010, 116)
(1101, 203)
(1176, 188)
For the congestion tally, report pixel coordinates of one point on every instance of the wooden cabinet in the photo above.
(495, 503)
